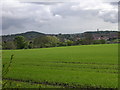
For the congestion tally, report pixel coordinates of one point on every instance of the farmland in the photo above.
(82, 66)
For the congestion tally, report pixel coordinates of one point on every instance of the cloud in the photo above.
(106, 11)
(65, 17)
(22, 14)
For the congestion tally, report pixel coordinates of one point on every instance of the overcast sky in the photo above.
(59, 17)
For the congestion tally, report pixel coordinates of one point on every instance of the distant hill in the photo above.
(28, 35)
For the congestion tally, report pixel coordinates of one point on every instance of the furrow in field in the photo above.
(113, 70)
(87, 63)
(62, 85)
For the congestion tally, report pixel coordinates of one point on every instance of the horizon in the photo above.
(60, 33)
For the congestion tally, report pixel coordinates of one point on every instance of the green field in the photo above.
(72, 66)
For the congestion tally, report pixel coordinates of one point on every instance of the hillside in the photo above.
(28, 35)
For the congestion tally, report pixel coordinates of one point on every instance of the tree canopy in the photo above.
(20, 42)
(45, 41)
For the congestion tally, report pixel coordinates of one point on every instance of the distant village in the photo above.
(110, 36)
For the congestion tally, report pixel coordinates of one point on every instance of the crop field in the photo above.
(84, 66)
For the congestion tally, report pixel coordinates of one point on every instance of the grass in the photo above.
(18, 84)
(78, 66)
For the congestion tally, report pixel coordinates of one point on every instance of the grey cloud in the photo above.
(114, 3)
(32, 16)
(66, 10)
(110, 17)
(119, 13)
(53, 18)
(8, 22)
(44, 3)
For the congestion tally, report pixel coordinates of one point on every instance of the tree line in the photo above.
(20, 42)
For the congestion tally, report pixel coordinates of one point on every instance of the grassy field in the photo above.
(74, 66)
